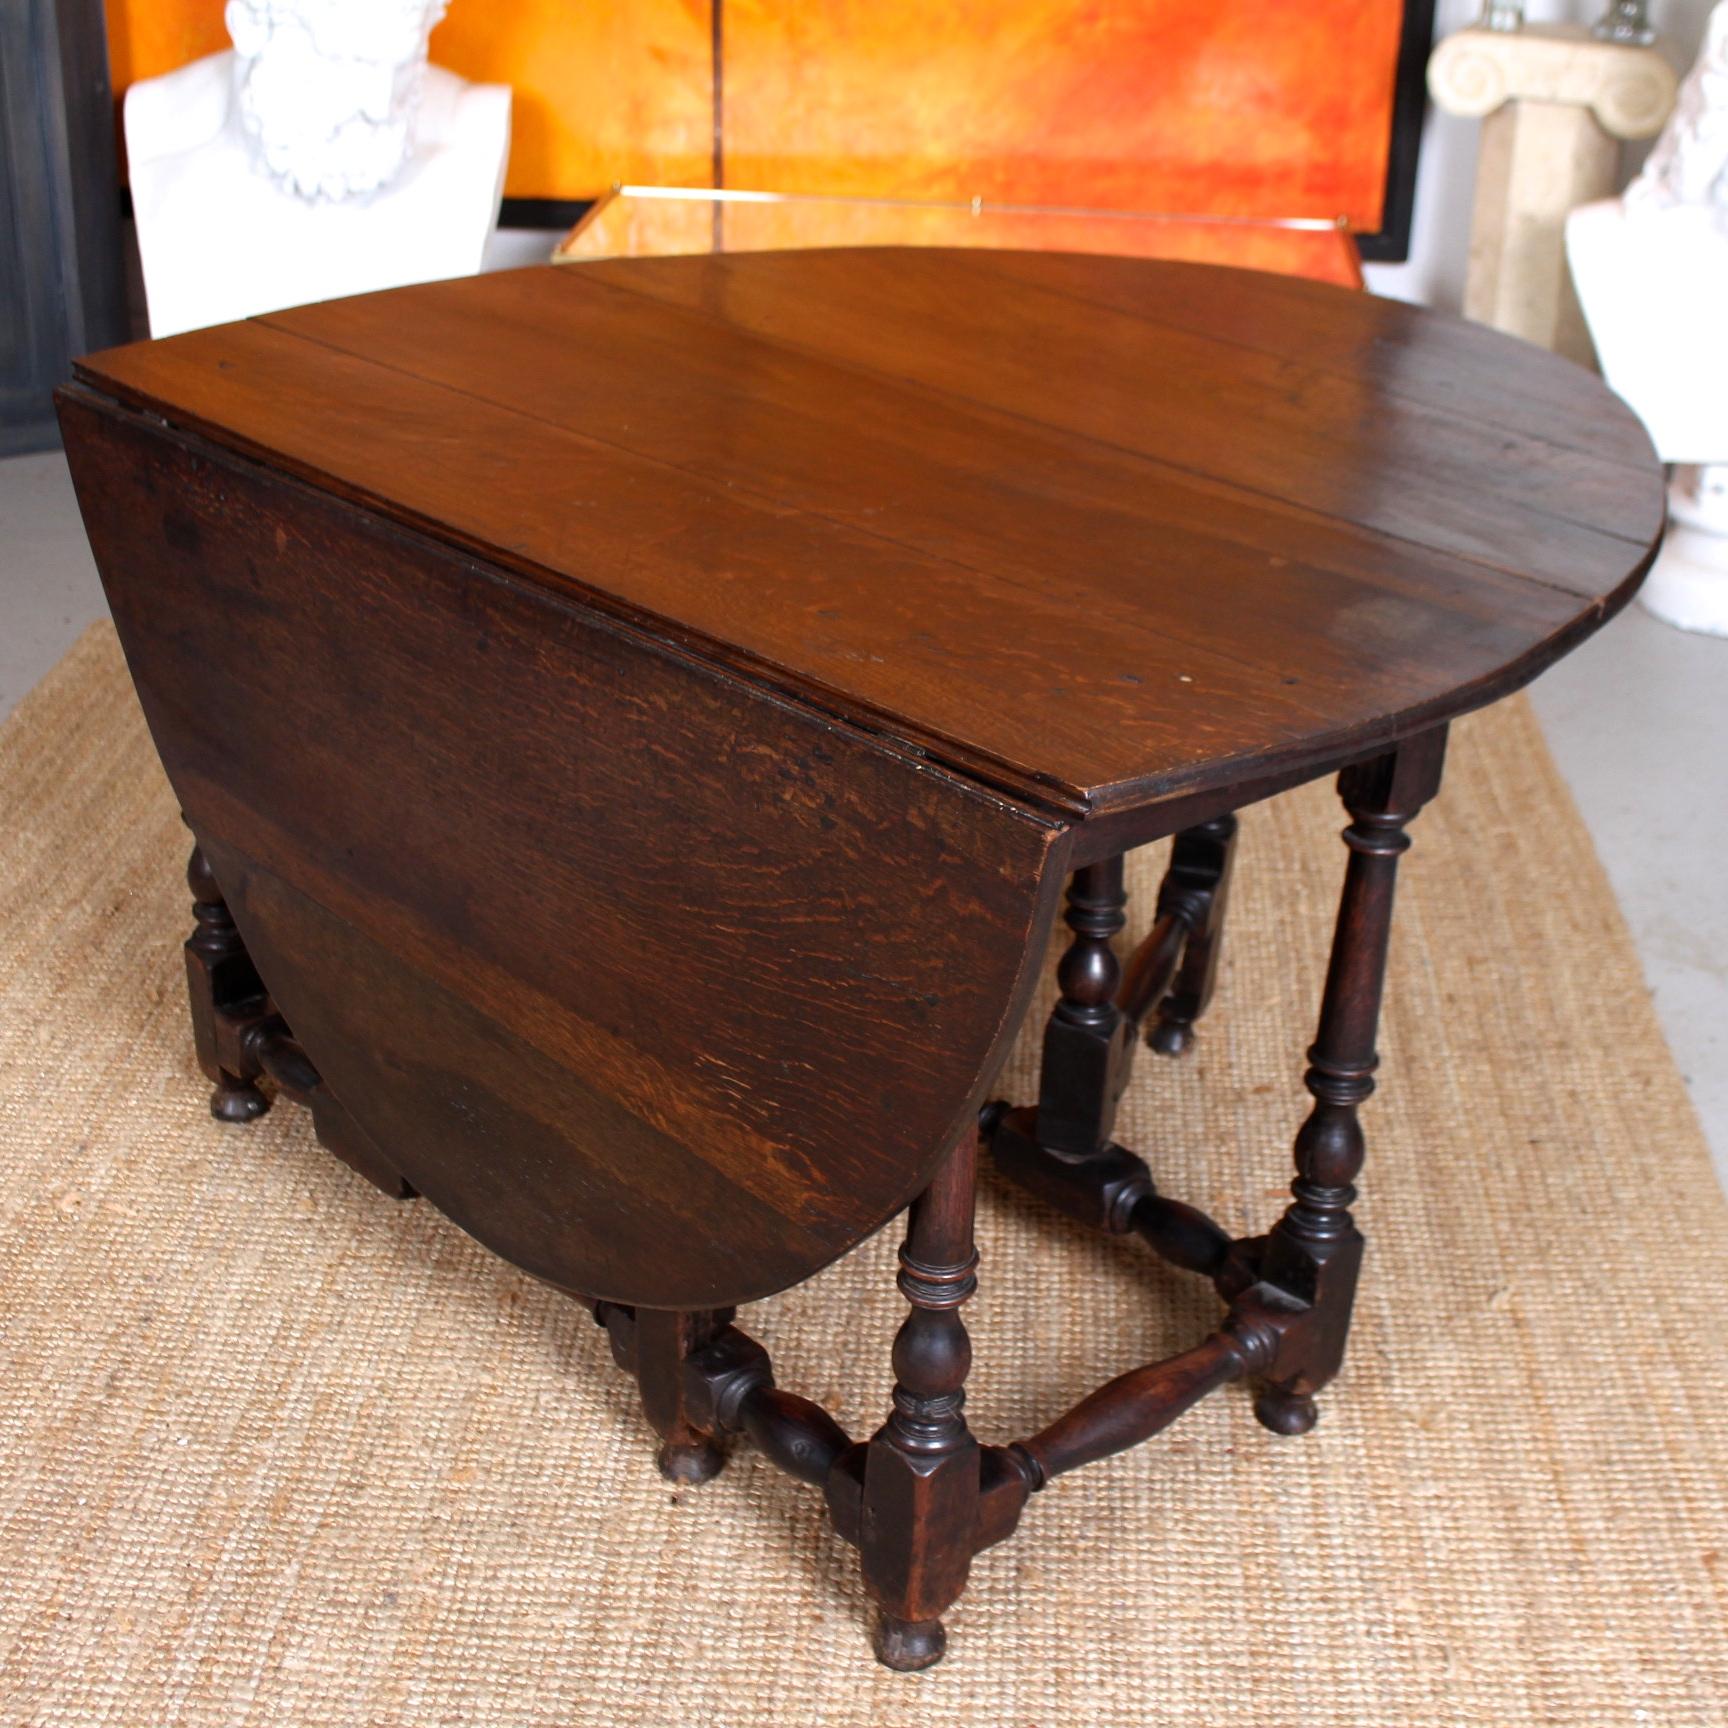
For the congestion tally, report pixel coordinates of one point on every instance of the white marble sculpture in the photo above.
(327, 90)
(1689, 164)
(322, 157)
(1651, 269)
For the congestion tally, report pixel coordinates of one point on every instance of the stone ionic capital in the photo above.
(1629, 89)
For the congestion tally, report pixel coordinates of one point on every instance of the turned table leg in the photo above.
(222, 986)
(1064, 1148)
(1088, 1042)
(240, 1038)
(1315, 1250)
(920, 1512)
(1197, 886)
(657, 1345)
(921, 1497)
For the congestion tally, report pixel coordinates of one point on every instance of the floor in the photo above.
(1638, 720)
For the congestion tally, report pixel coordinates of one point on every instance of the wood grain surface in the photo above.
(666, 990)
(1097, 532)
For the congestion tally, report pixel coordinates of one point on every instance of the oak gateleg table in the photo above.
(637, 721)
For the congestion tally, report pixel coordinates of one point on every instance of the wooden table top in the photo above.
(1092, 531)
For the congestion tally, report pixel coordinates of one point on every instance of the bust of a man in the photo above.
(1689, 164)
(327, 90)
(1651, 270)
(321, 157)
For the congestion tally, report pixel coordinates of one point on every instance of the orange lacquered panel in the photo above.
(637, 222)
(622, 90)
(149, 37)
(1243, 107)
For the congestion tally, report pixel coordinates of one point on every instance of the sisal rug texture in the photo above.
(276, 1451)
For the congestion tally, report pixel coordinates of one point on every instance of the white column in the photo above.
(1555, 103)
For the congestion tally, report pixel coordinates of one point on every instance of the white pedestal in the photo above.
(1688, 586)
(219, 241)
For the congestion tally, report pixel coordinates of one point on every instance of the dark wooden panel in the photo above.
(583, 935)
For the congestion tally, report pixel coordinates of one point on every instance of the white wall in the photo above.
(1446, 169)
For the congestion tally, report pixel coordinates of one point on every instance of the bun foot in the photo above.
(1170, 1037)
(908, 1645)
(690, 1464)
(236, 1100)
(1286, 1412)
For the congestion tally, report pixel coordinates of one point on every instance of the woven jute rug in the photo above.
(274, 1450)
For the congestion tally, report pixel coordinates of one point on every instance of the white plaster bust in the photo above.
(321, 157)
(327, 90)
(1689, 164)
(1651, 270)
